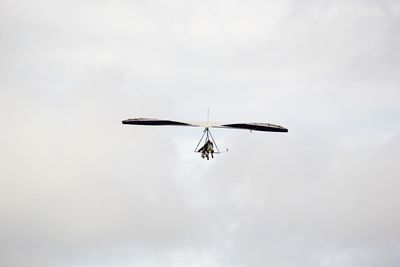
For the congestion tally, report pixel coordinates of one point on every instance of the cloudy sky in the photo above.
(77, 188)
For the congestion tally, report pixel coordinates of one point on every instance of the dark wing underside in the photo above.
(156, 122)
(265, 127)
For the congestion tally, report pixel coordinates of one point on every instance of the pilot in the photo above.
(203, 151)
(206, 149)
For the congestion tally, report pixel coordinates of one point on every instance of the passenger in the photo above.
(210, 148)
(206, 149)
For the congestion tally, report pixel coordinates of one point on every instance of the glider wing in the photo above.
(156, 122)
(265, 127)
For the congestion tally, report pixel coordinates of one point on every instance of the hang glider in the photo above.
(209, 146)
(264, 127)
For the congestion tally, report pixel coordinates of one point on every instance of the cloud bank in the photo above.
(79, 189)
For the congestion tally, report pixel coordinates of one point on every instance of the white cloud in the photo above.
(79, 189)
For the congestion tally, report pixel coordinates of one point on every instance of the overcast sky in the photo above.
(78, 188)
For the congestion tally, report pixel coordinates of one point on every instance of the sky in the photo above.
(79, 189)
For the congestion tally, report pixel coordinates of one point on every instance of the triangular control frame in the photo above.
(207, 136)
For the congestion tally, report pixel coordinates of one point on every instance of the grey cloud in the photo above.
(79, 189)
